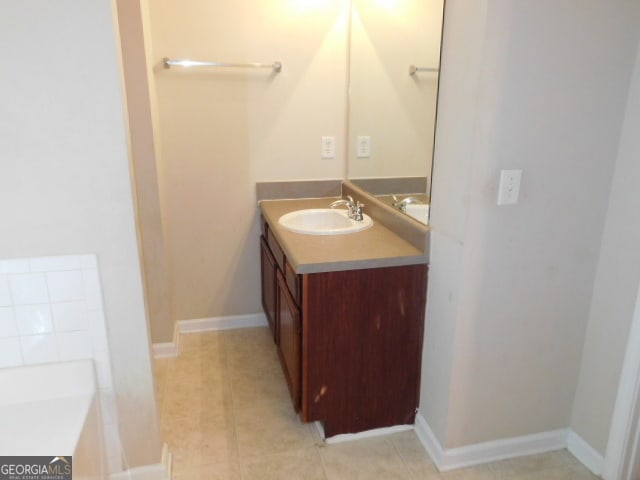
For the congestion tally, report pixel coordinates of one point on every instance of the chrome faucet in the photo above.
(354, 209)
(402, 204)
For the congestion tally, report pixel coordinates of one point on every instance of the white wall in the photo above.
(511, 286)
(221, 130)
(615, 289)
(64, 182)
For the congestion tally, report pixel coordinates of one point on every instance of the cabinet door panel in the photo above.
(362, 347)
(269, 294)
(289, 340)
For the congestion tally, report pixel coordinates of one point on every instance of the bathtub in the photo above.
(52, 410)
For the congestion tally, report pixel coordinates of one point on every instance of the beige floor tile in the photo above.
(226, 414)
(203, 447)
(275, 429)
(414, 456)
(532, 463)
(184, 403)
(254, 362)
(249, 336)
(363, 460)
(559, 473)
(197, 370)
(225, 471)
(160, 369)
(303, 464)
(266, 391)
(200, 341)
(407, 442)
(480, 472)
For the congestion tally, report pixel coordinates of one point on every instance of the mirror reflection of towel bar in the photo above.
(168, 63)
(413, 69)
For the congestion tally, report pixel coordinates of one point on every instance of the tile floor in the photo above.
(226, 414)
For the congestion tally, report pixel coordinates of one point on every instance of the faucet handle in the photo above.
(357, 213)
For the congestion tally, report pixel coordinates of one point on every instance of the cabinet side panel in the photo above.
(362, 333)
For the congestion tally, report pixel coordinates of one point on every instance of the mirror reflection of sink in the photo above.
(419, 211)
(323, 221)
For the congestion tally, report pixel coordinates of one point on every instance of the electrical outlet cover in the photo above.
(509, 189)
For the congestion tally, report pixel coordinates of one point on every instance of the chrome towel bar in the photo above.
(168, 63)
(413, 69)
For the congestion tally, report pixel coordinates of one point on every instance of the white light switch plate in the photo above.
(363, 146)
(328, 148)
(509, 189)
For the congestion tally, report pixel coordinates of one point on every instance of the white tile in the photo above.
(55, 264)
(10, 353)
(5, 295)
(89, 261)
(65, 286)
(39, 349)
(8, 326)
(92, 289)
(74, 345)
(18, 265)
(70, 316)
(33, 319)
(28, 288)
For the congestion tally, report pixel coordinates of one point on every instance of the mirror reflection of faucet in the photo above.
(402, 204)
(355, 210)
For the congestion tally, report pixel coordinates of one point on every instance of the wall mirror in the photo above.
(393, 89)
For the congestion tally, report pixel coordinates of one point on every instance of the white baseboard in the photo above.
(170, 349)
(349, 437)
(584, 452)
(429, 441)
(164, 350)
(221, 323)
(148, 472)
(158, 471)
(167, 461)
(452, 458)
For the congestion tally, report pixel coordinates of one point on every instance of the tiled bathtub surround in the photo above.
(51, 311)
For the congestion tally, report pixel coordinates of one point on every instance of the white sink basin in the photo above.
(323, 221)
(419, 211)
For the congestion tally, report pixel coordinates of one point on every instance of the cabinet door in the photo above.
(269, 294)
(290, 336)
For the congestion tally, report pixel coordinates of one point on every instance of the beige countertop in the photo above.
(371, 248)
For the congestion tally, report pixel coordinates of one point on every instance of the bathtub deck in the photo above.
(44, 427)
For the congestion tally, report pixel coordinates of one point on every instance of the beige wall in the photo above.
(141, 141)
(222, 130)
(615, 289)
(65, 185)
(510, 287)
(395, 109)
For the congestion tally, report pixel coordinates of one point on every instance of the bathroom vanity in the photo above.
(347, 317)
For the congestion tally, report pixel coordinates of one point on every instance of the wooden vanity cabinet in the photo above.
(269, 287)
(350, 342)
(290, 340)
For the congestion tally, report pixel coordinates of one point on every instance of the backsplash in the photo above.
(51, 310)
